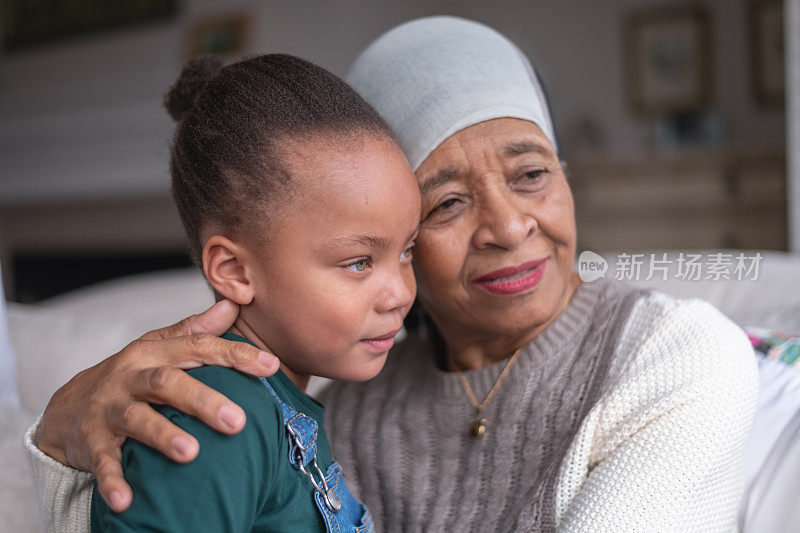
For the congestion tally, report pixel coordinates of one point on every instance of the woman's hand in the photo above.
(89, 418)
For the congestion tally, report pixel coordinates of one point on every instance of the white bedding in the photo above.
(772, 493)
(17, 500)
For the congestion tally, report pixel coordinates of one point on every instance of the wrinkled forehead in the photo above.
(433, 77)
(492, 144)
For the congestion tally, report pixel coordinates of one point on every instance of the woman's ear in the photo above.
(225, 267)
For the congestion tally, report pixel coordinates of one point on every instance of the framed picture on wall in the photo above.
(219, 35)
(668, 59)
(767, 51)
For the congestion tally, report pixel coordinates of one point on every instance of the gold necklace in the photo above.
(477, 426)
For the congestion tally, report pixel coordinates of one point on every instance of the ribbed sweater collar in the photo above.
(565, 333)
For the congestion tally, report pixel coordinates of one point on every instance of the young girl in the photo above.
(300, 207)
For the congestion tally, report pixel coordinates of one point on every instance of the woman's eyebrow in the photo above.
(440, 178)
(526, 147)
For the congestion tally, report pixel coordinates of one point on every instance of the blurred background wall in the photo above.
(84, 189)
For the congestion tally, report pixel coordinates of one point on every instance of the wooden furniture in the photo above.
(59, 245)
(725, 199)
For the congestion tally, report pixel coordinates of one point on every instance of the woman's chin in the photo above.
(521, 314)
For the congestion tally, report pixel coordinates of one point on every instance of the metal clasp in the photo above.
(330, 497)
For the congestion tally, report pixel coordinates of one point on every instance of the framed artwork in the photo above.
(767, 51)
(668, 59)
(225, 35)
(28, 22)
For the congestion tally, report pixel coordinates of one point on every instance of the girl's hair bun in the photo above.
(195, 75)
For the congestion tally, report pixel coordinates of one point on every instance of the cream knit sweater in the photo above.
(662, 448)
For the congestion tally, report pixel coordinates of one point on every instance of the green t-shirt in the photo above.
(239, 482)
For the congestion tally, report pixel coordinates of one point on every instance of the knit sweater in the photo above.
(651, 441)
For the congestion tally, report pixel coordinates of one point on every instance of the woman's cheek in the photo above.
(411, 282)
(431, 257)
(421, 275)
(558, 220)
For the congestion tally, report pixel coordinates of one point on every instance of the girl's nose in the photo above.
(399, 292)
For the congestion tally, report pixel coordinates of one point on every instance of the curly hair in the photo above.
(225, 156)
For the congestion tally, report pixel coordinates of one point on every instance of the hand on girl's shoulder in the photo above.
(226, 484)
(263, 415)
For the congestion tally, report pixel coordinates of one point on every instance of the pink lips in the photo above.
(512, 280)
(381, 344)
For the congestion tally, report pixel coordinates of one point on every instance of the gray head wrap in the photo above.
(432, 77)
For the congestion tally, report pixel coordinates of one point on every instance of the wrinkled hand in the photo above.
(89, 418)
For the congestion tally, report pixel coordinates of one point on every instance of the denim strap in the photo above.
(302, 431)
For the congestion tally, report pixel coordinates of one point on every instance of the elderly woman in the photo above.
(526, 401)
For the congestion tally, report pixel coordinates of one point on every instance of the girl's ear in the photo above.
(224, 264)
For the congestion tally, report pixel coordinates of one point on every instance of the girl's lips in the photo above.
(513, 280)
(381, 344)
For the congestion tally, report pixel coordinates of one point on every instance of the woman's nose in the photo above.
(502, 222)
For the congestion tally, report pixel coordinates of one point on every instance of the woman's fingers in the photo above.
(215, 320)
(148, 426)
(88, 419)
(195, 341)
(174, 387)
(110, 481)
(202, 349)
(112, 485)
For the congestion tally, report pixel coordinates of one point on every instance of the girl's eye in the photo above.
(408, 251)
(359, 266)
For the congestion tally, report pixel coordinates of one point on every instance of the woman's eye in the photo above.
(532, 180)
(447, 204)
(408, 251)
(534, 174)
(359, 266)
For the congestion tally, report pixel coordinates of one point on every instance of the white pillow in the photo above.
(8, 367)
(54, 345)
(56, 339)
(18, 507)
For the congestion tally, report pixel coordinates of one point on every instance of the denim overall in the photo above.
(340, 511)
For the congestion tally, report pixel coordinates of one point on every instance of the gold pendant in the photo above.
(478, 427)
